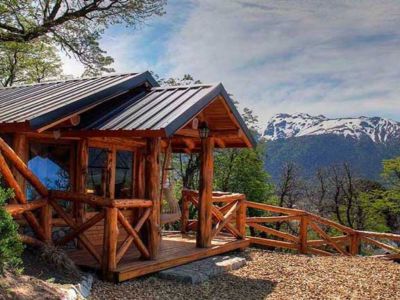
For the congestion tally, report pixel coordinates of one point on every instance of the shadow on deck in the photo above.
(176, 249)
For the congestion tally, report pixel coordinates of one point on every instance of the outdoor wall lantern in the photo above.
(203, 130)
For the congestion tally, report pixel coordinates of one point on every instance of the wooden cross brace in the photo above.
(133, 235)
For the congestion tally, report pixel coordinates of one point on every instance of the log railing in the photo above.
(308, 233)
(228, 213)
(111, 211)
(38, 214)
(287, 228)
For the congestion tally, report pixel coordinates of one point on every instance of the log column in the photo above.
(21, 149)
(303, 234)
(81, 176)
(203, 237)
(153, 193)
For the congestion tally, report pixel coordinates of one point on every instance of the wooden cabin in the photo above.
(91, 156)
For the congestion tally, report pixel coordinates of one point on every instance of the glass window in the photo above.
(97, 171)
(123, 175)
(51, 163)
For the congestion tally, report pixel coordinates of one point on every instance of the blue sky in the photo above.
(337, 58)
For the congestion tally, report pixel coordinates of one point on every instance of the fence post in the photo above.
(303, 234)
(241, 217)
(354, 243)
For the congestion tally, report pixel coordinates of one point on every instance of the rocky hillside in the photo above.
(317, 141)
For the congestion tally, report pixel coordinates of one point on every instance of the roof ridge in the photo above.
(69, 80)
(185, 86)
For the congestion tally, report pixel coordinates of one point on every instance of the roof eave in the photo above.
(219, 89)
(100, 97)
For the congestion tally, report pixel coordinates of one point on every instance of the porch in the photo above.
(175, 249)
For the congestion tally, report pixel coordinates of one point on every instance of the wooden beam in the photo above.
(110, 244)
(20, 196)
(272, 219)
(136, 239)
(272, 243)
(82, 237)
(203, 236)
(303, 234)
(18, 209)
(20, 147)
(271, 231)
(153, 193)
(23, 168)
(46, 220)
(81, 168)
(82, 228)
(326, 237)
(139, 177)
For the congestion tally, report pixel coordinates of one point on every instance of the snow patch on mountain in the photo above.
(379, 130)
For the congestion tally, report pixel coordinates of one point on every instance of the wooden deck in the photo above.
(176, 249)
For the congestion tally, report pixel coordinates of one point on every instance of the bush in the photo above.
(10, 246)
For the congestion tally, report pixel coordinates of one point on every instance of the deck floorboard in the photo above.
(176, 249)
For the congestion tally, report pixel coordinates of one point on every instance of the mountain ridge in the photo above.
(378, 129)
(314, 142)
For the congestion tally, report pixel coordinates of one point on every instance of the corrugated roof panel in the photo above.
(157, 109)
(24, 103)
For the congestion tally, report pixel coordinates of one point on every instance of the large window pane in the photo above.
(97, 172)
(51, 163)
(123, 175)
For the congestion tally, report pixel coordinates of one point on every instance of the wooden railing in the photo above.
(42, 222)
(228, 213)
(309, 233)
(287, 228)
(111, 211)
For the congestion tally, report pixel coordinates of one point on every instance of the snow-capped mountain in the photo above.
(379, 130)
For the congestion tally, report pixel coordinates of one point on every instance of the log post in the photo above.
(139, 178)
(20, 148)
(153, 193)
(241, 217)
(110, 242)
(46, 220)
(303, 232)
(203, 237)
(81, 176)
(185, 213)
(354, 243)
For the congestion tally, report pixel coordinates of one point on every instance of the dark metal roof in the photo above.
(166, 108)
(42, 104)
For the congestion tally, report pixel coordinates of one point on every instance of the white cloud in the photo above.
(338, 58)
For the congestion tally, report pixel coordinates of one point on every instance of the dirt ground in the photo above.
(270, 275)
(39, 280)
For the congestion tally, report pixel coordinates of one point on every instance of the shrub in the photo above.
(10, 246)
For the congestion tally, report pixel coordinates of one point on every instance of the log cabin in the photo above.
(92, 156)
(89, 162)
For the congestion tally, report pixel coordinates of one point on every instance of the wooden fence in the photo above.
(287, 228)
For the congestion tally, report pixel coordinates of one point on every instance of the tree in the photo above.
(10, 246)
(28, 63)
(74, 26)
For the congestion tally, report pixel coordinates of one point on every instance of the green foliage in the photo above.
(10, 246)
(28, 62)
(74, 26)
(242, 171)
